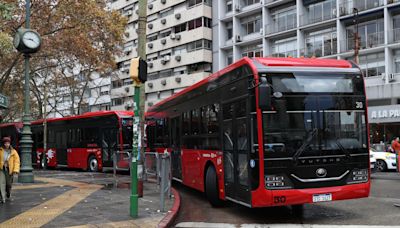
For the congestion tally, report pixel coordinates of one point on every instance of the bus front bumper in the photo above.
(265, 198)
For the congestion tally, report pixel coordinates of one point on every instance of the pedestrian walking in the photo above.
(9, 166)
(396, 148)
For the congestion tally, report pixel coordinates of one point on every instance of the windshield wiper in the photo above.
(341, 147)
(305, 144)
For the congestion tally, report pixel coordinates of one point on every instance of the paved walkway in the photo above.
(79, 199)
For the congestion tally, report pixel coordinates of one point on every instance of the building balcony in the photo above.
(181, 38)
(173, 82)
(318, 52)
(168, 62)
(370, 41)
(157, 6)
(286, 54)
(273, 3)
(346, 8)
(394, 36)
(307, 19)
(276, 27)
(178, 18)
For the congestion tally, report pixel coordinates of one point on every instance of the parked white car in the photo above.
(384, 160)
(372, 162)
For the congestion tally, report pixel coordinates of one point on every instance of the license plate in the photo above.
(322, 197)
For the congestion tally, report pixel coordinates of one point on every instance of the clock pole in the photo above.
(26, 175)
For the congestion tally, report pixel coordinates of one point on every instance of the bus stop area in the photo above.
(60, 198)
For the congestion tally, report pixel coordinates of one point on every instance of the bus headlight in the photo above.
(358, 176)
(279, 181)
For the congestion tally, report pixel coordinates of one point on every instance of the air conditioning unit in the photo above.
(150, 104)
(178, 16)
(167, 58)
(128, 106)
(163, 41)
(127, 34)
(122, 69)
(128, 49)
(163, 62)
(238, 38)
(262, 2)
(150, 26)
(150, 85)
(129, 12)
(127, 89)
(237, 7)
(137, 11)
(150, 6)
(261, 31)
(163, 82)
(178, 58)
(178, 37)
(172, 36)
(178, 79)
(163, 1)
(150, 65)
(150, 45)
(163, 21)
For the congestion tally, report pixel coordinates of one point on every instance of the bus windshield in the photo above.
(310, 121)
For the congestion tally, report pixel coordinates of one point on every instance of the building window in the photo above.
(229, 6)
(152, 37)
(397, 60)
(128, 81)
(321, 43)
(229, 58)
(116, 101)
(250, 2)
(192, 3)
(321, 11)
(252, 24)
(372, 64)
(199, 44)
(166, 73)
(116, 84)
(180, 28)
(229, 30)
(285, 48)
(196, 23)
(371, 34)
(283, 20)
(252, 51)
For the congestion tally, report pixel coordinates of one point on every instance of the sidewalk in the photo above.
(81, 199)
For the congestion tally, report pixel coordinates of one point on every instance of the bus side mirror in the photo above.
(264, 95)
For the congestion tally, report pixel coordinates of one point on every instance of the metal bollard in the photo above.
(162, 187)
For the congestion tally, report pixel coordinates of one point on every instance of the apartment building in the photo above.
(323, 29)
(179, 48)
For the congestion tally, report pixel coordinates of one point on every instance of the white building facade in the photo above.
(318, 28)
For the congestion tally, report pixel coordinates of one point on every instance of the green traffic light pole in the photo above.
(138, 129)
(26, 175)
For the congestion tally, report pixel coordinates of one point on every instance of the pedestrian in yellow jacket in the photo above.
(9, 165)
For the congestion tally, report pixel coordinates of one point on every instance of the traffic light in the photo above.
(138, 70)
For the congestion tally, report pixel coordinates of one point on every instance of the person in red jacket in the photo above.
(396, 148)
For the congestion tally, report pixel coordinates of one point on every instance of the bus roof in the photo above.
(257, 64)
(88, 115)
(15, 124)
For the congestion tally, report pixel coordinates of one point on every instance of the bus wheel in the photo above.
(93, 164)
(211, 188)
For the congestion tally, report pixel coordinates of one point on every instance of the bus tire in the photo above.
(211, 188)
(93, 164)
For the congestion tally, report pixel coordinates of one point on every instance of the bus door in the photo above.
(176, 149)
(109, 142)
(236, 151)
(61, 148)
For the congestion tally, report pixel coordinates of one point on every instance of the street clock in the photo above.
(27, 41)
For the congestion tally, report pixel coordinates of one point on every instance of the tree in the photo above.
(74, 33)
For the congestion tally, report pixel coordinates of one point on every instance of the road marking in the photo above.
(47, 211)
(227, 225)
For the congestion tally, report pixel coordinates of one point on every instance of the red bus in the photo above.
(12, 130)
(269, 132)
(85, 141)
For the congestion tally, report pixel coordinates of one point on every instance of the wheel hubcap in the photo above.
(93, 164)
(379, 164)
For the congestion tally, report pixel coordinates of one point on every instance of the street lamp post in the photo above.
(27, 42)
(356, 36)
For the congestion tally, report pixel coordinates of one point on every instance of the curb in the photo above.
(171, 216)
